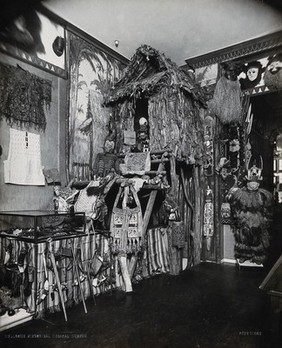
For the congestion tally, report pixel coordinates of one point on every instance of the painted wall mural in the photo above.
(207, 75)
(256, 76)
(92, 73)
(262, 75)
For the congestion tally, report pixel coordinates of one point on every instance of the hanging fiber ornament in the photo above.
(273, 72)
(226, 102)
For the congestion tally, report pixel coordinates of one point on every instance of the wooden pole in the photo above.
(78, 277)
(122, 257)
(53, 261)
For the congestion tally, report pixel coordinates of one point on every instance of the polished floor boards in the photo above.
(207, 306)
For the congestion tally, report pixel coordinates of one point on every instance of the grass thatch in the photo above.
(149, 71)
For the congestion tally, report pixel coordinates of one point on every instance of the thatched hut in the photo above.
(155, 89)
(153, 86)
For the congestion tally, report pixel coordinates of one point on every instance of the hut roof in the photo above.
(149, 71)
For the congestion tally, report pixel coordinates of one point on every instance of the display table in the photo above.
(50, 273)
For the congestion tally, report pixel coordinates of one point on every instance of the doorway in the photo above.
(266, 141)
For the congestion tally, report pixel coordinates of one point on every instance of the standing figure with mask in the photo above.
(251, 209)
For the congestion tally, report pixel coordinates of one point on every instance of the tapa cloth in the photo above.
(23, 165)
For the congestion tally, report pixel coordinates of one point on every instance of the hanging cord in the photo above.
(184, 190)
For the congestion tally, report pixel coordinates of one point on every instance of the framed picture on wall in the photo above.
(35, 38)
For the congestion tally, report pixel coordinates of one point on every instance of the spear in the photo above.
(53, 261)
(78, 277)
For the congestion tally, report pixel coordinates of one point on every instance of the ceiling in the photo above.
(179, 28)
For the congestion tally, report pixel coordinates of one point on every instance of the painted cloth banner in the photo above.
(158, 257)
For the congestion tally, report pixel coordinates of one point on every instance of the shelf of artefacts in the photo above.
(131, 200)
(50, 271)
(39, 225)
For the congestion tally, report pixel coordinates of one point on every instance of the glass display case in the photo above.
(39, 225)
(50, 261)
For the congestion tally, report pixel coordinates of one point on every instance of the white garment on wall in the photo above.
(23, 165)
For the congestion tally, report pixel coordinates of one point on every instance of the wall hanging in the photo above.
(23, 165)
(23, 97)
(208, 217)
(208, 156)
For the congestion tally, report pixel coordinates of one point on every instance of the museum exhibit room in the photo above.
(141, 173)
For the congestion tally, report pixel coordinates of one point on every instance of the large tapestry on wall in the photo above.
(92, 73)
(23, 97)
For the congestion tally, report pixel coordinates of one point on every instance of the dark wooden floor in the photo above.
(207, 306)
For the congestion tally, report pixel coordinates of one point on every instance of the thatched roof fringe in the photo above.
(148, 72)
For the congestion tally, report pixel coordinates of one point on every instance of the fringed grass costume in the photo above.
(251, 208)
